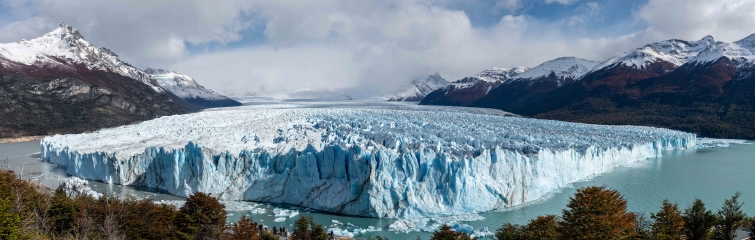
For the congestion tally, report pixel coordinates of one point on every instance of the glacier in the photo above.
(384, 160)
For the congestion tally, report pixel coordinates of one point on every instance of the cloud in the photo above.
(727, 20)
(564, 2)
(371, 46)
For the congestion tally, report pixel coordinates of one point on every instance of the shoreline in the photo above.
(21, 139)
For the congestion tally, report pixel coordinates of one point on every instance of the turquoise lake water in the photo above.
(680, 176)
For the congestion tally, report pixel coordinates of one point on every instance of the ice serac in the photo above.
(388, 161)
(189, 90)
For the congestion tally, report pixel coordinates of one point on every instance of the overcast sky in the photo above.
(368, 46)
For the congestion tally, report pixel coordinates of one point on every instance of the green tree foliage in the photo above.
(9, 221)
(597, 213)
(306, 229)
(244, 229)
(202, 216)
(510, 232)
(730, 217)
(62, 211)
(698, 221)
(543, 228)
(668, 222)
(445, 233)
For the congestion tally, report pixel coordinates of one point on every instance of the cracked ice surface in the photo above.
(378, 160)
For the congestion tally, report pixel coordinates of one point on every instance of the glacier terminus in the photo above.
(387, 160)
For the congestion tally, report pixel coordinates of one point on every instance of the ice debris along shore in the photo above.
(77, 187)
(387, 161)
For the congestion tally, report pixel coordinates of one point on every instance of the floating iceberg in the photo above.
(380, 160)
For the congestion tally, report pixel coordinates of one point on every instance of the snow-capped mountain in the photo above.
(501, 74)
(64, 48)
(563, 68)
(674, 51)
(466, 90)
(417, 89)
(188, 89)
(504, 82)
(535, 82)
(704, 86)
(62, 83)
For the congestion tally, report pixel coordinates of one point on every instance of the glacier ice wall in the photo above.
(388, 160)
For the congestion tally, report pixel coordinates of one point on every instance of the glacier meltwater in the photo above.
(379, 160)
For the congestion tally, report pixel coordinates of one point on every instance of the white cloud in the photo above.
(372, 45)
(564, 2)
(727, 20)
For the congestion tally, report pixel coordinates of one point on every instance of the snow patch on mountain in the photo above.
(65, 47)
(388, 160)
(418, 89)
(182, 85)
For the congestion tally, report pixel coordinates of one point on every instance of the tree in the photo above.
(148, 220)
(543, 228)
(202, 216)
(597, 213)
(306, 229)
(244, 229)
(698, 221)
(9, 221)
(62, 212)
(668, 222)
(729, 219)
(752, 227)
(642, 226)
(510, 232)
(445, 233)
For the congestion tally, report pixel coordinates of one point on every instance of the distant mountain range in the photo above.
(703, 86)
(61, 83)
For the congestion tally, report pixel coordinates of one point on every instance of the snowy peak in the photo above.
(182, 85)
(501, 74)
(563, 68)
(748, 42)
(674, 51)
(65, 47)
(418, 89)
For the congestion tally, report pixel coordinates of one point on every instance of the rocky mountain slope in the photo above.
(61, 83)
(189, 90)
(703, 86)
(417, 89)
